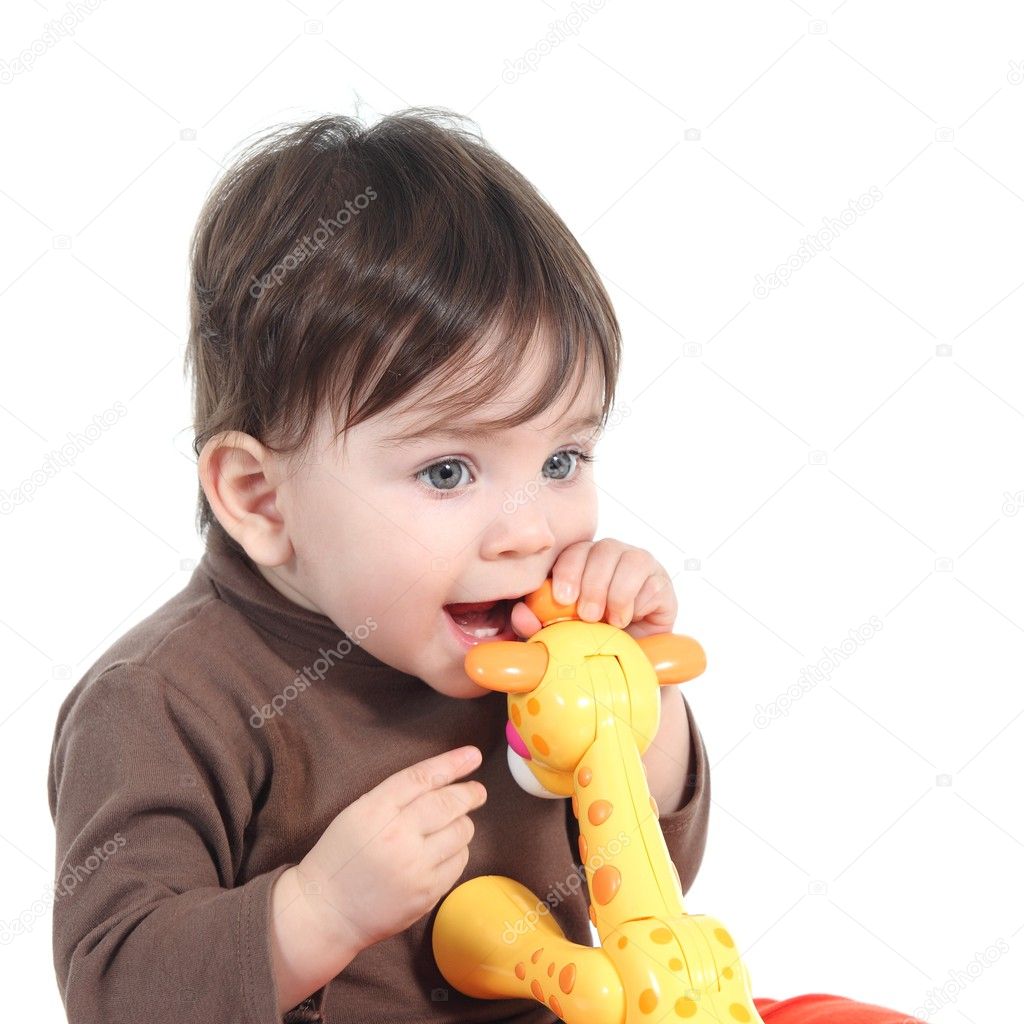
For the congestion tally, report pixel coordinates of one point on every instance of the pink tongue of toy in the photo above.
(515, 741)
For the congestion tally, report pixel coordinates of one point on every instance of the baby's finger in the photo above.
(657, 600)
(448, 872)
(408, 785)
(634, 568)
(597, 576)
(440, 845)
(524, 622)
(568, 571)
(435, 810)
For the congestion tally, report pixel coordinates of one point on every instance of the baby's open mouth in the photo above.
(482, 619)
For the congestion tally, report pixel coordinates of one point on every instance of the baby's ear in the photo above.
(238, 475)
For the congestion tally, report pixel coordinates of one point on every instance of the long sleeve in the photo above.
(151, 800)
(686, 828)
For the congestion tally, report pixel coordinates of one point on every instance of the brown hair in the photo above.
(340, 263)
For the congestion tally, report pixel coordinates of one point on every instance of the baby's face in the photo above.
(391, 534)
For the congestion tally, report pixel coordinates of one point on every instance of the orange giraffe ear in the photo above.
(543, 604)
(676, 658)
(509, 666)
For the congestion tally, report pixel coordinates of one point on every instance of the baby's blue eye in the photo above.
(562, 460)
(445, 476)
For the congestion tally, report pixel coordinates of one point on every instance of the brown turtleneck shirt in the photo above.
(178, 800)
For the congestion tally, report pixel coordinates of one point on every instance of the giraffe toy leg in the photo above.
(493, 939)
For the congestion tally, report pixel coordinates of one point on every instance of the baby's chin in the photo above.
(456, 684)
(451, 681)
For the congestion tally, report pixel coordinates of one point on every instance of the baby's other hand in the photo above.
(390, 856)
(617, 582)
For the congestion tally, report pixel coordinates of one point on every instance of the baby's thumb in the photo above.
(524, 622)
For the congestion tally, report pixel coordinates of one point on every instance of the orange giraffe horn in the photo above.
(676, 658)
(507, 665)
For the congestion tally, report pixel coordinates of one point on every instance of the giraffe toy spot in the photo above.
(556, 1006)
(516, 715)
(536, 955)
(551, 969)
(661, 936)
(583, 846)
(676, 964)
(685, 1007)
(648, 1000)
(585, 775)
(541, 745)
(538, 993)
(607, 880)
(567, 978)
(520, 970)
(739, 1013)
(533, 706)
(724, 937)
(599, 812)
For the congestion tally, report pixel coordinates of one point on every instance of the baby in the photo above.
(402, 360)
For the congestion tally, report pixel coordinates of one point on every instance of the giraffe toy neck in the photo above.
(629, 871)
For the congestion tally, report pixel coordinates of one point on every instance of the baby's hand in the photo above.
(389, 856)
(613, 581)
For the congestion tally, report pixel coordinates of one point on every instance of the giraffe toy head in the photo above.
(552, 706)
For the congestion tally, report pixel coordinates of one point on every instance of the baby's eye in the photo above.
(563, 462)
(445, 476)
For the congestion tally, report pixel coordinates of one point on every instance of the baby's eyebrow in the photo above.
(479, 431)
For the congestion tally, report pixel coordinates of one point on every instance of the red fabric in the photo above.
(822, 1009)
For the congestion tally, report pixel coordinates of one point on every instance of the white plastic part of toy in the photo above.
(526, 779)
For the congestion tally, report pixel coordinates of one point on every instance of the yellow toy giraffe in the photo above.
(583, 706)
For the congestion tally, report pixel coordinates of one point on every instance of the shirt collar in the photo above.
(241, 585)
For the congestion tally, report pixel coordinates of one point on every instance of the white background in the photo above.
(842, 447)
